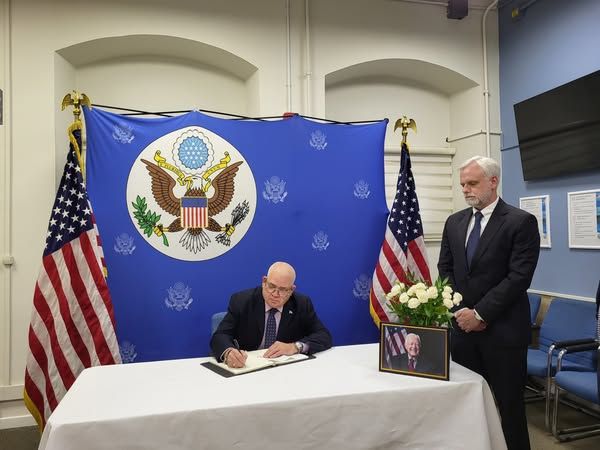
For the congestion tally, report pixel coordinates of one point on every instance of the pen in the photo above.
(236, 344)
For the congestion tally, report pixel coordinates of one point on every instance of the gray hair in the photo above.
(414, 336)
(490, 166)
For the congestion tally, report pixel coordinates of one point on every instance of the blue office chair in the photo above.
(567, 322)
(215, 320)
(580, 385)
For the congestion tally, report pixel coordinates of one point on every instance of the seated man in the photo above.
(412, 361)
(272, 316)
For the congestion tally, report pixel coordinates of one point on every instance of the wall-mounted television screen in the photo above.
(559, 130)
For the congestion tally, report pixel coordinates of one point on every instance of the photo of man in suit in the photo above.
(490, 251)
(412, 360)
(271, 316)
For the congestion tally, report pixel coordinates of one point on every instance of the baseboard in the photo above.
(17, 422)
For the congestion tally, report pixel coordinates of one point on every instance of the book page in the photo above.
(256, 361)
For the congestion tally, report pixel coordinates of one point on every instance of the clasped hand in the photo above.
(468, 322)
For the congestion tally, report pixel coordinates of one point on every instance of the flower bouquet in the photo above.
(423, 305)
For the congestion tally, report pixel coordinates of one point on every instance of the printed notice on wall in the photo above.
(584, 219)
(540, 207)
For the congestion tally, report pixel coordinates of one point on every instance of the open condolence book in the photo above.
(255, 362)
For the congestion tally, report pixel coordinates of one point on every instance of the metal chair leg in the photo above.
(549, 385)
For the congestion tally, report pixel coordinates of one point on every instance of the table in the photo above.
(338, 400)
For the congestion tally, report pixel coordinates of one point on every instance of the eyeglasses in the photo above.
(272, 288)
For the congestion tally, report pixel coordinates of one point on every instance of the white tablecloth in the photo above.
(337, 401)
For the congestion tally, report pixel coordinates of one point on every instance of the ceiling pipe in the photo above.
(486, 92)
(307, 64)
(288, 81)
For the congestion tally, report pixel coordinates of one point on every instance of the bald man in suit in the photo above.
(296, 328)
(490, 251)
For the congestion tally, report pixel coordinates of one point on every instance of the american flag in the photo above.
(403, 248)
(72, 321)
(394, 341)
(194, 212)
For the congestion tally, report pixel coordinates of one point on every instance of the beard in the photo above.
(473, 201)
(479, 202)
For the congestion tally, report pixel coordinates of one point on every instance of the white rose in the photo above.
(420, 286)
(411, 290)
(389, 296)
(395, 290)
(404, 297)
(448, 289)
(446, 295)
(432, 292)
(422, 296)
(448, 303)
(402, 286)
(457, 298)
(413, 302)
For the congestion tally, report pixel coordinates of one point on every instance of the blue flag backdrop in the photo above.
(193, 208)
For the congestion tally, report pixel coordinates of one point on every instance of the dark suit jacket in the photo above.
(501, 271)
(245, 321)
(400, 362)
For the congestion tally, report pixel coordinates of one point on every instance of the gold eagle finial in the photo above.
(76, 99)
(405, 123)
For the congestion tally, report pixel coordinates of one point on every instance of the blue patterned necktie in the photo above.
(271, 329)
(474, 238)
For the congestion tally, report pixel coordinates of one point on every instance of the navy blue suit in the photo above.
(245, 322)
(496, 286)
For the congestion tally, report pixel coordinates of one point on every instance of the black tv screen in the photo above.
(559, 130)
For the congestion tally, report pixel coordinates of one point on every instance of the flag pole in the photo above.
(63, 341)
(76, 100)
(403, 254)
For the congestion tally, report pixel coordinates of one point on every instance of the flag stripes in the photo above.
(72, 322)
(403, 248)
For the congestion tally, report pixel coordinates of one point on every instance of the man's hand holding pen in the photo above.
(235, 357)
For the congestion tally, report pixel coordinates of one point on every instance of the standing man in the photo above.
(489, 252)
(270, 316)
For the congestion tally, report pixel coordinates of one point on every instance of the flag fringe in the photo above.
(33, 411)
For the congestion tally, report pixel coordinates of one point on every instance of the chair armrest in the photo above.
(570, 342)
(594, 345)
(581, 347)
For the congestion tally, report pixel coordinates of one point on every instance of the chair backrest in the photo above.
(570, 319)
(215, 320)
(598, 297)
(535, 301)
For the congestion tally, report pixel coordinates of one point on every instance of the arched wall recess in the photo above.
(152, 73)
(427, 92)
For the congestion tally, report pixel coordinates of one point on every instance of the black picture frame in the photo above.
(432, 358)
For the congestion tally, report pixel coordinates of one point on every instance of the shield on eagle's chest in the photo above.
(194, 212)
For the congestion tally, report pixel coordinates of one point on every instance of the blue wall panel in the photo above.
(553, 43)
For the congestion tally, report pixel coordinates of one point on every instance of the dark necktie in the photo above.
(474, 238)
(271, 328)
(411, 364)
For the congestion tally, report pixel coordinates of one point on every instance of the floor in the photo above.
(28, 438)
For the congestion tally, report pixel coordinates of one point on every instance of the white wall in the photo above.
(232, 57)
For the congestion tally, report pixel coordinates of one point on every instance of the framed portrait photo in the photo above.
(414, 350)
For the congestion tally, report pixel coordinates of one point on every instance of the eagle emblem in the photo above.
(191, 196)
